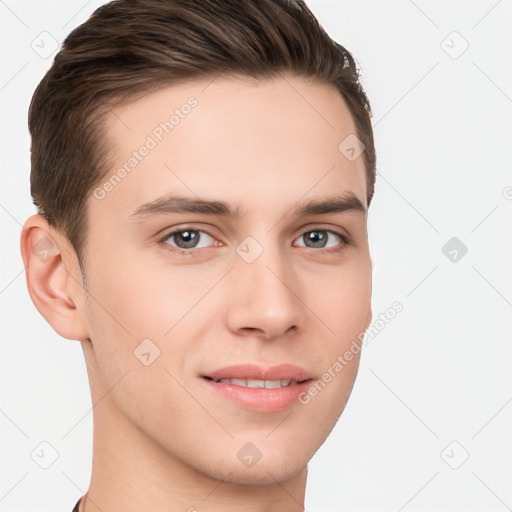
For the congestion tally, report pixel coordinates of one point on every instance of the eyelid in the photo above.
(338, 230)
(303, 229)
(168, 232)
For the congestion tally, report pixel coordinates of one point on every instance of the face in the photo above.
(183, 290)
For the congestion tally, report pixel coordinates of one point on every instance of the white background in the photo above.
(438, 373)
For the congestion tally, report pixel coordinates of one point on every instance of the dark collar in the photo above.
(77, 505)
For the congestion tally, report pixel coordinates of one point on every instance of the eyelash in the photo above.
(191, 252)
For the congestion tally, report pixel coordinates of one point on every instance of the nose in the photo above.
(265, 296)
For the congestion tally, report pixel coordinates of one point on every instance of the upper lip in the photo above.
(253, 371)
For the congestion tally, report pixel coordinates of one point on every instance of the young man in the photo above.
(202, 171)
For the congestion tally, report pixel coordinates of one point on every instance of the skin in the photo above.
(163, 441)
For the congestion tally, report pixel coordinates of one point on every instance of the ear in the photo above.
(53, 278)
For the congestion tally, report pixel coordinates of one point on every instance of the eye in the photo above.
(318, 239)
(186, 239)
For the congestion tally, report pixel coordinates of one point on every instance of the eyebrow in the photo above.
(171, 203)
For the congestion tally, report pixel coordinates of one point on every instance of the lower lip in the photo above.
(261, 399)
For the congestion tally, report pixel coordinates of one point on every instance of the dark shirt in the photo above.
(77, 505)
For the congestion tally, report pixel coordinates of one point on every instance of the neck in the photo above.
(131, 472)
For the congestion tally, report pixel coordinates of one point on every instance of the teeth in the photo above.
(255, 383)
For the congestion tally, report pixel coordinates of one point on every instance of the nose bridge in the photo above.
(264, 266)
(265, 298)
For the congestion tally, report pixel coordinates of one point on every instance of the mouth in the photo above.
(254, 374)
(257, 388)
(259, 383)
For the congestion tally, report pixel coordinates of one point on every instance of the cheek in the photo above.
(133, 358)
(132, 301)
(130, 310)
(344, 302)
(120, 318)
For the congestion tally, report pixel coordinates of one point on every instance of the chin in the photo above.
(263, 473)
(275, 466)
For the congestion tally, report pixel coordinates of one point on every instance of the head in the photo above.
(248, 117)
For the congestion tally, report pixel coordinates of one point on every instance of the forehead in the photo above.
(257, 142)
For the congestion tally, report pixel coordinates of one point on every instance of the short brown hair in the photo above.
(131, 47)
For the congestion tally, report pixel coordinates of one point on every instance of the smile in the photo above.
(256, 383)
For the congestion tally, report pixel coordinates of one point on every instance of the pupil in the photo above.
(188, 234)
(315, 235)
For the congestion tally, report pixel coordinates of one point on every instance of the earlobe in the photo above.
(50, 278)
